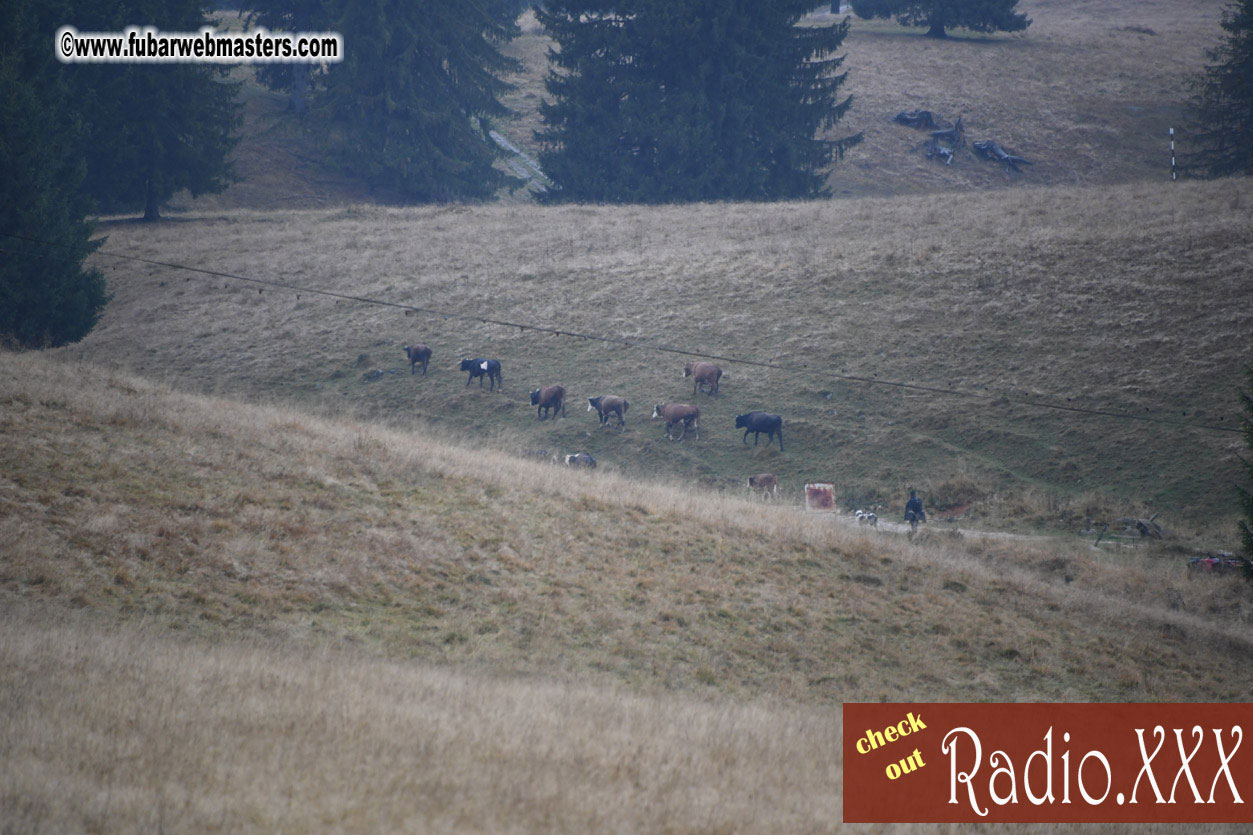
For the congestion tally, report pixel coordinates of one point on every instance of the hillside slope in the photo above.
(133, 500)
(216, 615)
(1126, 300)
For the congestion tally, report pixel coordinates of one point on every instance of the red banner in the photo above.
(1057, 763)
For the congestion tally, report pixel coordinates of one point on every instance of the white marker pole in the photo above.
(1172, 154)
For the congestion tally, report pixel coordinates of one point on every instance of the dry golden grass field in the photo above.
(219, 616)
(254, 576)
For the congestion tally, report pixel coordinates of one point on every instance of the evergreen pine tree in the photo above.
(410, 100)
(46, 297)
(153, 129)
(669, 100)
(1224, 103)
(940, 15)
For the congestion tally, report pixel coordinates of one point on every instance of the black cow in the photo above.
(483, 368)
(758, 422)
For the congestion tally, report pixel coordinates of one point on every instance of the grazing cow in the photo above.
(606, 405)
(549, 397)
(673, 413)
(581, 459)
(766, 484)
(481, 368)
(418, 353)
(704, 374)
(868, 518)
(758, 422)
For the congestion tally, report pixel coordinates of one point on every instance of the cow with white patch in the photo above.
(549, 398)
(673, 413)
(481, 368)
(581, 459)
(606, 405)
(703, 374)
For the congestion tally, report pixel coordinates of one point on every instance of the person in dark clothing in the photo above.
(914, 512)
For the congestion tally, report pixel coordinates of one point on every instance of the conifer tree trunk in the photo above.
(152, 207)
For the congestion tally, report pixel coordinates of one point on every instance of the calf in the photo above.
(673, 413)
(483, 368)
(581, 459)
(766, 484)
(758, 422)
(549, 397)
(704, 374)
(418, 353)
(606, 405)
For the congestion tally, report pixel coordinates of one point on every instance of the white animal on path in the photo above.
(871, 519)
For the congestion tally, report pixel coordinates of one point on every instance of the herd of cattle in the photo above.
(551, 400)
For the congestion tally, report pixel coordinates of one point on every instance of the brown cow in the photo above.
(609, 404)
(705, 374)
(549, 397)
(418, 353)
(765, 483)
(673, 413)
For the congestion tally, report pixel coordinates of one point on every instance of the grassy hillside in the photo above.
(201, 514)
(1121, 299)
(651, 626)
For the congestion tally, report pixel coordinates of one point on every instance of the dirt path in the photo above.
(943, 528)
